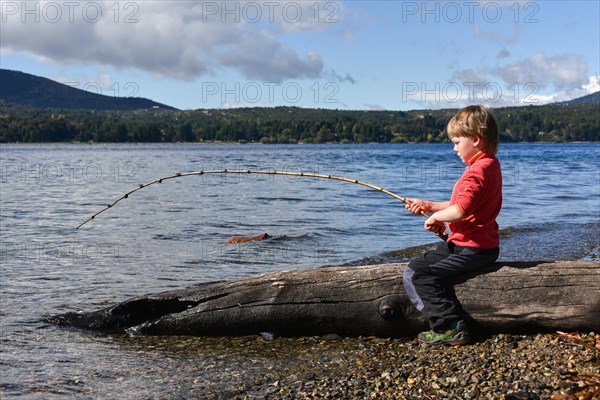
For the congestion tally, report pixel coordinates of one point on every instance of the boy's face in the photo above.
(466, 147)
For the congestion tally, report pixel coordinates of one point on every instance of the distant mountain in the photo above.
(593, 98)
(31, 90)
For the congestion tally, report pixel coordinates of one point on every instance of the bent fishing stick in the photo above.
(442, 235)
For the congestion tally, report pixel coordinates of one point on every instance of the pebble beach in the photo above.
(555, 366)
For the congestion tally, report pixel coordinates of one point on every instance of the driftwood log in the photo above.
(352, 301)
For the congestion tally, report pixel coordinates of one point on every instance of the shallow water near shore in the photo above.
(172, 235)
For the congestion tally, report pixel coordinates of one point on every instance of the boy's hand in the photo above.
(416, 206)
(434, 226)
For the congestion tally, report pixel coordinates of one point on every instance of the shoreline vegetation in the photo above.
(283, 125)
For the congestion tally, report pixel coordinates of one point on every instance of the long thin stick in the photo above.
(442, 235)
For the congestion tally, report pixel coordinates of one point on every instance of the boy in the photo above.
(471, 216)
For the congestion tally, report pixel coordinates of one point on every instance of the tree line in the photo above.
(548, 123)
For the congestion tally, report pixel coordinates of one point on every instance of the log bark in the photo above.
(353, 301)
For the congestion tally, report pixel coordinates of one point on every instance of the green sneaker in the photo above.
(455, 337)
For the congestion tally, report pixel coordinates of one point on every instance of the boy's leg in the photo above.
(422, 263)
(434, 285)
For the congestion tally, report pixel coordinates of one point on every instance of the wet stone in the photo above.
(394, 369)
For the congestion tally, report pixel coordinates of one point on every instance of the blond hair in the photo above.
(475, 121)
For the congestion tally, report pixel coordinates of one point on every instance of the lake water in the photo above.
(171, 235)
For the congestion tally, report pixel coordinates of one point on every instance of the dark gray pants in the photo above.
(429, 284)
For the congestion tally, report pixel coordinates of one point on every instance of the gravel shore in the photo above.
(544, 366)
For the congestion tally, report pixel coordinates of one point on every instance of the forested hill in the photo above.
(557, 122)
(26, 89)
(593, 98)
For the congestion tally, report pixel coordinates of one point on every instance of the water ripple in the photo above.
(172, 235)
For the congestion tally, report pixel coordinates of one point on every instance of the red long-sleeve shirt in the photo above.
(478, 194)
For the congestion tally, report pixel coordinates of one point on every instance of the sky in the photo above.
(350, 55)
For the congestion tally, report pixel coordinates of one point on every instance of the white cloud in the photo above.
(174, 39)
(263, 57)
(469, 75)
(538, 79)
(561, 72)
(593, 84)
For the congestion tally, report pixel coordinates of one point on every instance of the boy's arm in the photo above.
(435, 206)
(417, 205)
(448, 214)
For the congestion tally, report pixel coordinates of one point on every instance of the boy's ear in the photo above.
(478, 141)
